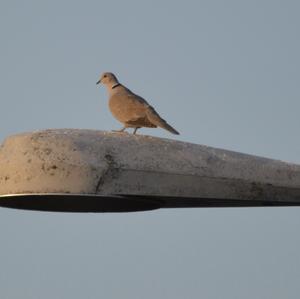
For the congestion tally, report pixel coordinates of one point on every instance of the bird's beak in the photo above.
(98, 82)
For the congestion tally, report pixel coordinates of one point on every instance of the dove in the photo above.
(130, 109)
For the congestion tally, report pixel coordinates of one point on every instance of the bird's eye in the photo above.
(104, 76)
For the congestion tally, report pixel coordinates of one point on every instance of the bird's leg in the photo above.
(135, 129)
(121, 130)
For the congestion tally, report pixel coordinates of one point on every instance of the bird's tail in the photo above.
(154, 118)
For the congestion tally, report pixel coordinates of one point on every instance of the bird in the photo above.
(129, 108)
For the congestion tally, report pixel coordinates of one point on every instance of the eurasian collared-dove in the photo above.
(130, 109)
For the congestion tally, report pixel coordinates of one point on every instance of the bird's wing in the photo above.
(137, 100)
(155, 119)
(128, 107)
(151, 116)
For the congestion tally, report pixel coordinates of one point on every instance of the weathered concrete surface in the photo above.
(136, 168)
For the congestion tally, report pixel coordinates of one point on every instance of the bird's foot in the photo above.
(120, 131)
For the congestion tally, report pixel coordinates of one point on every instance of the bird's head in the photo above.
(108, 78)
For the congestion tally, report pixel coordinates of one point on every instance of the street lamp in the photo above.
(96, 171)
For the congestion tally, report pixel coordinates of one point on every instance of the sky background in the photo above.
(224, 73)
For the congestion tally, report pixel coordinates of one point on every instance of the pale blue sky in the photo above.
(224, 73)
